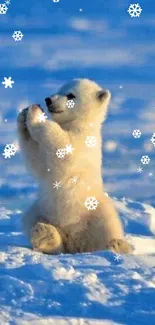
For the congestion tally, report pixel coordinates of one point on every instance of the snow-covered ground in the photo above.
(100, 41)
(96, 288)
(93, 288)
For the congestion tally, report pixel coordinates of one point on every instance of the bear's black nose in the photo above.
(48, 101)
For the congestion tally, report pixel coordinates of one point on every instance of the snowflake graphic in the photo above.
(139, 169)
(56, 185)
(8, 82)
(150, 174)
(117, 257)
(153, 139)
(145, 160)
(68, 148)
(91, 203)
(17, 35)
(42, 117)
(136, 134)
(3, 9)
(10, 150)
(7, 2)
(74, 179)
(90, 141)
(56, 0)
(134, 10)
(61, 153)
(70, 103)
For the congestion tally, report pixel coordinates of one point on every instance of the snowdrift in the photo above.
(93, 288)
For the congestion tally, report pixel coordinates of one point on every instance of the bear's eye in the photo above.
(70, 96)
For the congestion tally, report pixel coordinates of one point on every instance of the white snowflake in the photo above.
(70, 103)
(10, 150)
(136, 134)
(139, 169)
(56, 0)
(56, 185)
(117, 257)
(134, 10)
(17, 35)
(150, 174)
(68, 149)
(90, 141)
(74, 179)
(61, 153)
(42, 117)
(153, 139)
(91, 203)
(8, 82)
(7, 2)
(3, 9)
(145, 160)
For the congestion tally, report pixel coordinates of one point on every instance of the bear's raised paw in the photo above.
(22, 117)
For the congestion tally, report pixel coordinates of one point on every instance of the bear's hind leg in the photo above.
(46, 238)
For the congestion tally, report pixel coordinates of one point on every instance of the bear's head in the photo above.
(79, 100)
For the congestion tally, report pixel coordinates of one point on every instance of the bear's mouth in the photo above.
(53, 110)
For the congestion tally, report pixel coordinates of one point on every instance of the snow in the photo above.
(134, 10)
(91, 203)
(9, 150)
(90, 288)
(90, 141)
(8, 82)
(70, 103)
(17, 35)
(93, 288)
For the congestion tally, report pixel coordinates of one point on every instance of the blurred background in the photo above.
(94, 39)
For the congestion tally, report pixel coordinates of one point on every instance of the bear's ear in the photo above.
(103, 94)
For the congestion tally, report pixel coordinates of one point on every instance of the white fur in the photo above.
(80, 229)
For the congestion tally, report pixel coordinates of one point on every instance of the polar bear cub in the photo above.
(71, 213)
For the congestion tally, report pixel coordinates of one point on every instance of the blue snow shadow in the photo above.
(41, 284)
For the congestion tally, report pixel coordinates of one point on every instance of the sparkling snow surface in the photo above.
(78, 289)
(83, 289)
(100, 41)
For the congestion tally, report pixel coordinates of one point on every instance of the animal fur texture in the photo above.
(59, 220)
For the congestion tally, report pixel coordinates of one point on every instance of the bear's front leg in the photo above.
(46, 238)
(29, 147)
(21, 122)
(34, 122)
(44, 131)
